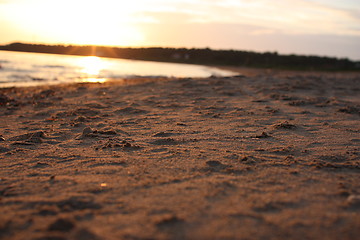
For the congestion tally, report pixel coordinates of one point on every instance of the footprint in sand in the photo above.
(130, 110)
(29, 138)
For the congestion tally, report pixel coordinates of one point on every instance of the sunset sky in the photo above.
(316, 27)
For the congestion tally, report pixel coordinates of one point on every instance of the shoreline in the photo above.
(33, 69)
(197, 56)
(263, 155)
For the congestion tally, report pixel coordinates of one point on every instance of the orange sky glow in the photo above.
(318, 27)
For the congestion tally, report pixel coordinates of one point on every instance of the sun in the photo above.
(85, 22)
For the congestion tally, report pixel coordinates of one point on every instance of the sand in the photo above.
(264, 155)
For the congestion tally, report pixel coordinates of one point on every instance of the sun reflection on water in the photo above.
(94, 80)
(92, 67)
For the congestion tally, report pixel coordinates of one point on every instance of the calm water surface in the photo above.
(31, 69)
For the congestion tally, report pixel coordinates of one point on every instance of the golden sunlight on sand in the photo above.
(270, 156)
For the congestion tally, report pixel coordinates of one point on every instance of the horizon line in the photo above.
(187, 48)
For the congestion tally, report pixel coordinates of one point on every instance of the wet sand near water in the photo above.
(268, 155)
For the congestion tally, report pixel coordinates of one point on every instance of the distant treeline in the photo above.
(204, 56)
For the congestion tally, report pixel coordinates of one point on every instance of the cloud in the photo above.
(292, 17)
(286, 16)
(262, 32)
(355, 13)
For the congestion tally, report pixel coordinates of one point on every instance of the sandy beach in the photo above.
(263, 155)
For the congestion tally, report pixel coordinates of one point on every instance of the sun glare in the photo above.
(106, 22)
(91, 67)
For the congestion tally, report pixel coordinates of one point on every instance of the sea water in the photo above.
(31, 69)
